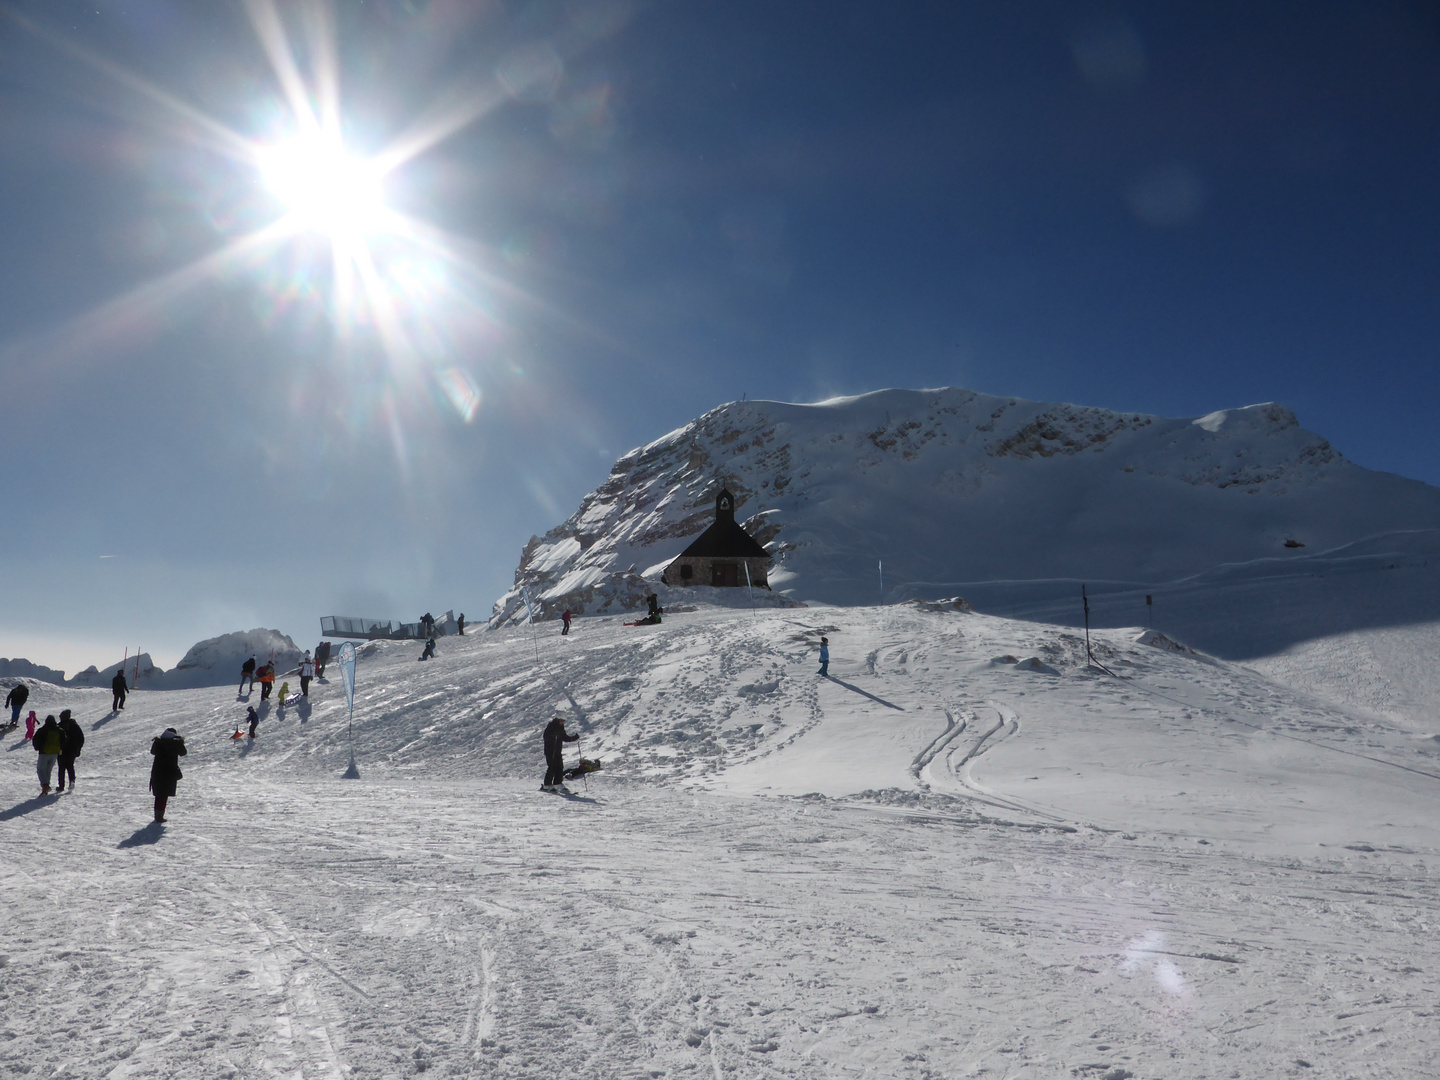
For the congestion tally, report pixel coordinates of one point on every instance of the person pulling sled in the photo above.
(555, 738)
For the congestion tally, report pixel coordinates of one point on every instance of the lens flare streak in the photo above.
(425, 298)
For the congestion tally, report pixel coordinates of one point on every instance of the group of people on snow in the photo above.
(57, 743)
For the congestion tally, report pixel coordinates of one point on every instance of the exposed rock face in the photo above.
(946, 487)
(15, 670)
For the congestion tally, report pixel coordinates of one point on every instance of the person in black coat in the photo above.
(15, 699)
(72, 739)
(555, 737)
(247, 674)
(117, 687)
(168, 748)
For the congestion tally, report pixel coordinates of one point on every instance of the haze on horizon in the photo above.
(315, 309)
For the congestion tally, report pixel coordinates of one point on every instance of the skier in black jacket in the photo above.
(117, 687)
(16, 699)
(555, 736)
(247, 674)
(72, 740)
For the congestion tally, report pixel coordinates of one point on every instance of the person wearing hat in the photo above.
(824, 657)
(168, 748)
(307, 672)
(74, 740)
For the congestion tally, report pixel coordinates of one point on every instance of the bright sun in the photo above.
(323, 187)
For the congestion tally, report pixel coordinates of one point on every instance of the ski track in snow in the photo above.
(963, 864)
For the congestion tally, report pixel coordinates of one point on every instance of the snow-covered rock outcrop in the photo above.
(20, 668)
(216, 661)
(948, 487)
(150, 676)
(213, 662)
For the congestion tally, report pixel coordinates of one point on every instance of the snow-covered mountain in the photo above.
(213, 662)
(216, 661)
(950, 487)
(20, 668)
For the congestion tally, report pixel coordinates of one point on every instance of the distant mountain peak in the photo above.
(951, 486)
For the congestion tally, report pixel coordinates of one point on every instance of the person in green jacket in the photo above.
(48, 743)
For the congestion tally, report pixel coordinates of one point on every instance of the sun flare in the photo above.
(323, 187)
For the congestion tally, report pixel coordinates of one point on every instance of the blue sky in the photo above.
(599, 220)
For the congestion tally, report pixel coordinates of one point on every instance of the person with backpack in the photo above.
(48, 743)
(118, 689)
(555, 738)
(307, 672)
(74, 740)
(167, 748)
(267, 680)
(16, 699)
(247, 674)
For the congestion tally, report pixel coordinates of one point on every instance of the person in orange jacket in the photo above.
(267, 679)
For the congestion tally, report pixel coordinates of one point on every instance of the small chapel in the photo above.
(721, 555)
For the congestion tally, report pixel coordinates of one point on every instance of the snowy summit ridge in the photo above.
(951, 486)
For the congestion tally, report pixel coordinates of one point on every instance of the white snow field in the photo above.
(965, 854)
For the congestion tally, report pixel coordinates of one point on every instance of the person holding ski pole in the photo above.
(555, 738)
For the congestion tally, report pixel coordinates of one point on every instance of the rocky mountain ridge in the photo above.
(901, 494)
(212, 662)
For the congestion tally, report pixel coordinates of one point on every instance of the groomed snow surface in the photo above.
(965, 854)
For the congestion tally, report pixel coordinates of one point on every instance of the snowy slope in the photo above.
(974, 855)
(950, 487)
